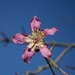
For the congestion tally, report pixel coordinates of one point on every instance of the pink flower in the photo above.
(36, 40)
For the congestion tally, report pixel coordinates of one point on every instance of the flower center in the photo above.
(37, 36)
(36, 40)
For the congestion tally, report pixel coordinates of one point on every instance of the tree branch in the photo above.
(68, 46)
(50, 66)
(61, 55)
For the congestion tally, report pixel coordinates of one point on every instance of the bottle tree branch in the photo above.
(50, 66)
(68, 47)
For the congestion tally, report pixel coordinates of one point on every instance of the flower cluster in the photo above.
(36, 40)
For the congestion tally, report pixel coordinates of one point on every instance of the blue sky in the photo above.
(17, 13)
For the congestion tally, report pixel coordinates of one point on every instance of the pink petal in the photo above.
(19, 38)
(28, 54)
(35, 23)
(45, 51)
(50, 31)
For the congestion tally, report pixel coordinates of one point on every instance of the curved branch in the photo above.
(48, 43)
(56, 61)
(61, 44)
(68, 45)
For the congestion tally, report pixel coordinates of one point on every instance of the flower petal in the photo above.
(45, 51)
(28, 54)
(50, 31)
(19, 38)
(35, 23)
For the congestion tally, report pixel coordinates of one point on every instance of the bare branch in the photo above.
(50, 66)
(62, 71)
(40, 68)
(68, 46)
(70, 67)
(5, 39)
(56, 60)
(61, 44)
(16, 73)
(63, 53)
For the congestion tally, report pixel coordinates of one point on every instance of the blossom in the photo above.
(36, 40)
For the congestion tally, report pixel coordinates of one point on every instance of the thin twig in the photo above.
(63, 72)
(60, 44)
(50, 66)
(48, 43)
(70, 67)
(68, 45)
(16, 73)
(61, 55)
(52, 48)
